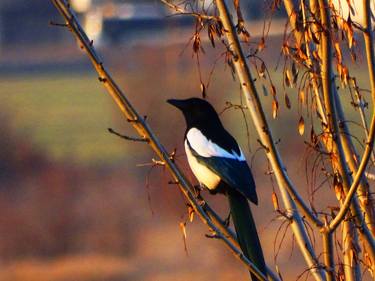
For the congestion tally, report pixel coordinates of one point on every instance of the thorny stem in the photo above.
(258, 117)
(145, 131)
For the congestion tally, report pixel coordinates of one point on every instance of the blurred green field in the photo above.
(64, 115)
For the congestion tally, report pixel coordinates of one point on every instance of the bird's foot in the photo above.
(227, 221)
(198, 189)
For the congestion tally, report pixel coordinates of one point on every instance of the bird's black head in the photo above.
(197, 112)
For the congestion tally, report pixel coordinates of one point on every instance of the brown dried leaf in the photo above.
(183, 229)
(262, 70)
(191, 213)
(301, 96)
(262, 44)
(275, 108)
(275, 202)
(350, 32)
(301, 54)
(196, 43)
(286, 79)
(301, 126)
(211, 34)
(293, 18)
(290, 78)
(203, 90)
(315, 38)
(313, 137)
(345, 75)
(316, 56)
(294, 69)
(350, 7)
(287, 101)
(285, 49)
(265, 92)
(338, 52)
(338, 191)
(273, 90)
(339, 69)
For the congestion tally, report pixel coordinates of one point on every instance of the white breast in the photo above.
(202, 173)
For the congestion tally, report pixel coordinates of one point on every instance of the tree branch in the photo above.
(182, 11)
(258, 117)
(144, 131)
(340, 166)
(328, 255)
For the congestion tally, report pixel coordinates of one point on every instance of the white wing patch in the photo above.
(206, 148)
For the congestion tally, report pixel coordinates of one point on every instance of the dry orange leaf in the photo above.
(275, 201)
(191, 213)
(262, 44)
(301, 126)
(301, 96)
(338, 52)
(287, 101)
(183, 229)
(275, 108)
(262, 71)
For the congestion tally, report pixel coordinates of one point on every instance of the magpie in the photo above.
(219, 164)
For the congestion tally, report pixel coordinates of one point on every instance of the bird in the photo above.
(219, 165)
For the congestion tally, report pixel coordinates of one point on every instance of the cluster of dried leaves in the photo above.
(301, 56)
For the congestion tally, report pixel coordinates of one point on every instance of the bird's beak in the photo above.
(180, 104)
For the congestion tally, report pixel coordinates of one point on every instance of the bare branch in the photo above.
(144, 130)
(328, 255)
(127, 137)
(264, 133)
(183, 11)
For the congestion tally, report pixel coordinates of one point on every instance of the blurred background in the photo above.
(77, 203)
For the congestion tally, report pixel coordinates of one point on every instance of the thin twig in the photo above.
(135, 139)
(183, 11)
(144, 130)
(328, 255)
(258, 117)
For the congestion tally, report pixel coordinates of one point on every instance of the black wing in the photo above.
(233, 172)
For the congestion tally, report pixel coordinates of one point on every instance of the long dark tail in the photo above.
(246, 231)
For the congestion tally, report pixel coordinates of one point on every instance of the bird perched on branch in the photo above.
(219, 164)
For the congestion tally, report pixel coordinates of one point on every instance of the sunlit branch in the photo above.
(258, 117)
(183, 11)
(326, 73)
(144, 131)
(328, 256)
